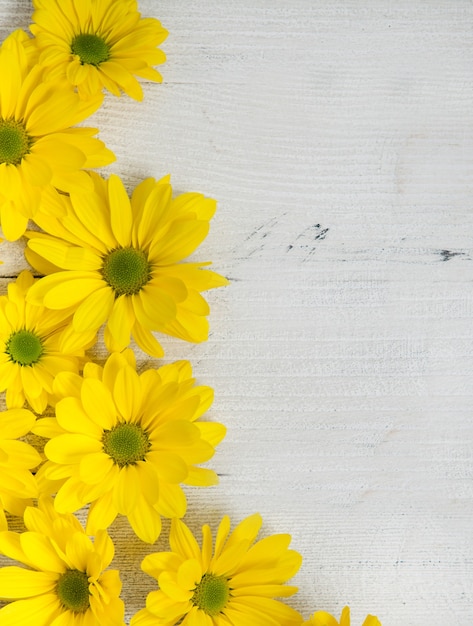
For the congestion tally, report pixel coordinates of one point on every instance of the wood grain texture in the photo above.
(337, 137)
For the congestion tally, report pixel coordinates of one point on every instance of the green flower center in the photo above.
(24, 347)
(126, 444)
(90, 48)
(126, 270)
(73, 590)
(211, 594)
(14, 141)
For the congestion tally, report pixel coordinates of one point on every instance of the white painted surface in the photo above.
(337, 136)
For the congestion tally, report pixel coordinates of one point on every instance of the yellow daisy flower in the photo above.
(321, 618)
(118, 261)
(17, 458)
(39, 151)
(98, 43)
(64, 582)
(233, 585)
(35, 345)
(124, 442)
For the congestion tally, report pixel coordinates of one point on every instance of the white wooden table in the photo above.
(337, 137)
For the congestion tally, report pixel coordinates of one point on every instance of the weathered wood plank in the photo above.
(337, 137)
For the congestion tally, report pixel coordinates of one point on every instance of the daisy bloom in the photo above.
(17, 459)
(39, 151)
(35, 345)
(124, 442)
(233, 584)
(98, 43)
(321, 618)
(64, 582)
(118, 261)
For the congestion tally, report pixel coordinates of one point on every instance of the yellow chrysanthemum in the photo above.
(35, 345)
(124, 442)
(117, 261)
(64, 582)
(98, 43)
(39, 151)
(233, 585)
(321, 618)
(17, 458)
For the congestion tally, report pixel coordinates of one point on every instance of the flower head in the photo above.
(17, 459)
(35, 345)
(124, 442)
(64, 581)
(39, 151)
(98, 43)
(233, 584)
(321, 618)
(118, 261)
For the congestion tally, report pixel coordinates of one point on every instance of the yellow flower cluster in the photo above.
(120, 442)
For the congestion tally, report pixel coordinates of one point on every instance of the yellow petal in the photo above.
(169, 585)
(17, 582)
(10, 68)
(26, 612)
(16, 423)
(61, 110)
(267, 591)
(182, 541)
(266, 608)
(145, 521)
(120, 211)
(31, 384)
(126, 489)
(98, 403)
(94, 310)
(59, 155)
(247, 529)
(182, 238)
(120, 321)
(151, 208)
(94, 213)
(157, 562)
(153, 308)
(77, 72)
(222, 534)
(127, 393)
(69, 497)
(95, 468)
(189, 574)
(8, 374)
(13, 222)
(124, 79)
(71, 292)
(71, 416)
(40, 553)
(71, 448)
(167, 608)
(267, 552)
(10, 181)
(104, 546)
(201, 477)
(68, 289)
(149, 481)
(146, 341)
(170, 467)
(211, 432)
(176, 434)
(78, 550)
(36, 169)
(102, 512)
(20, 454)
